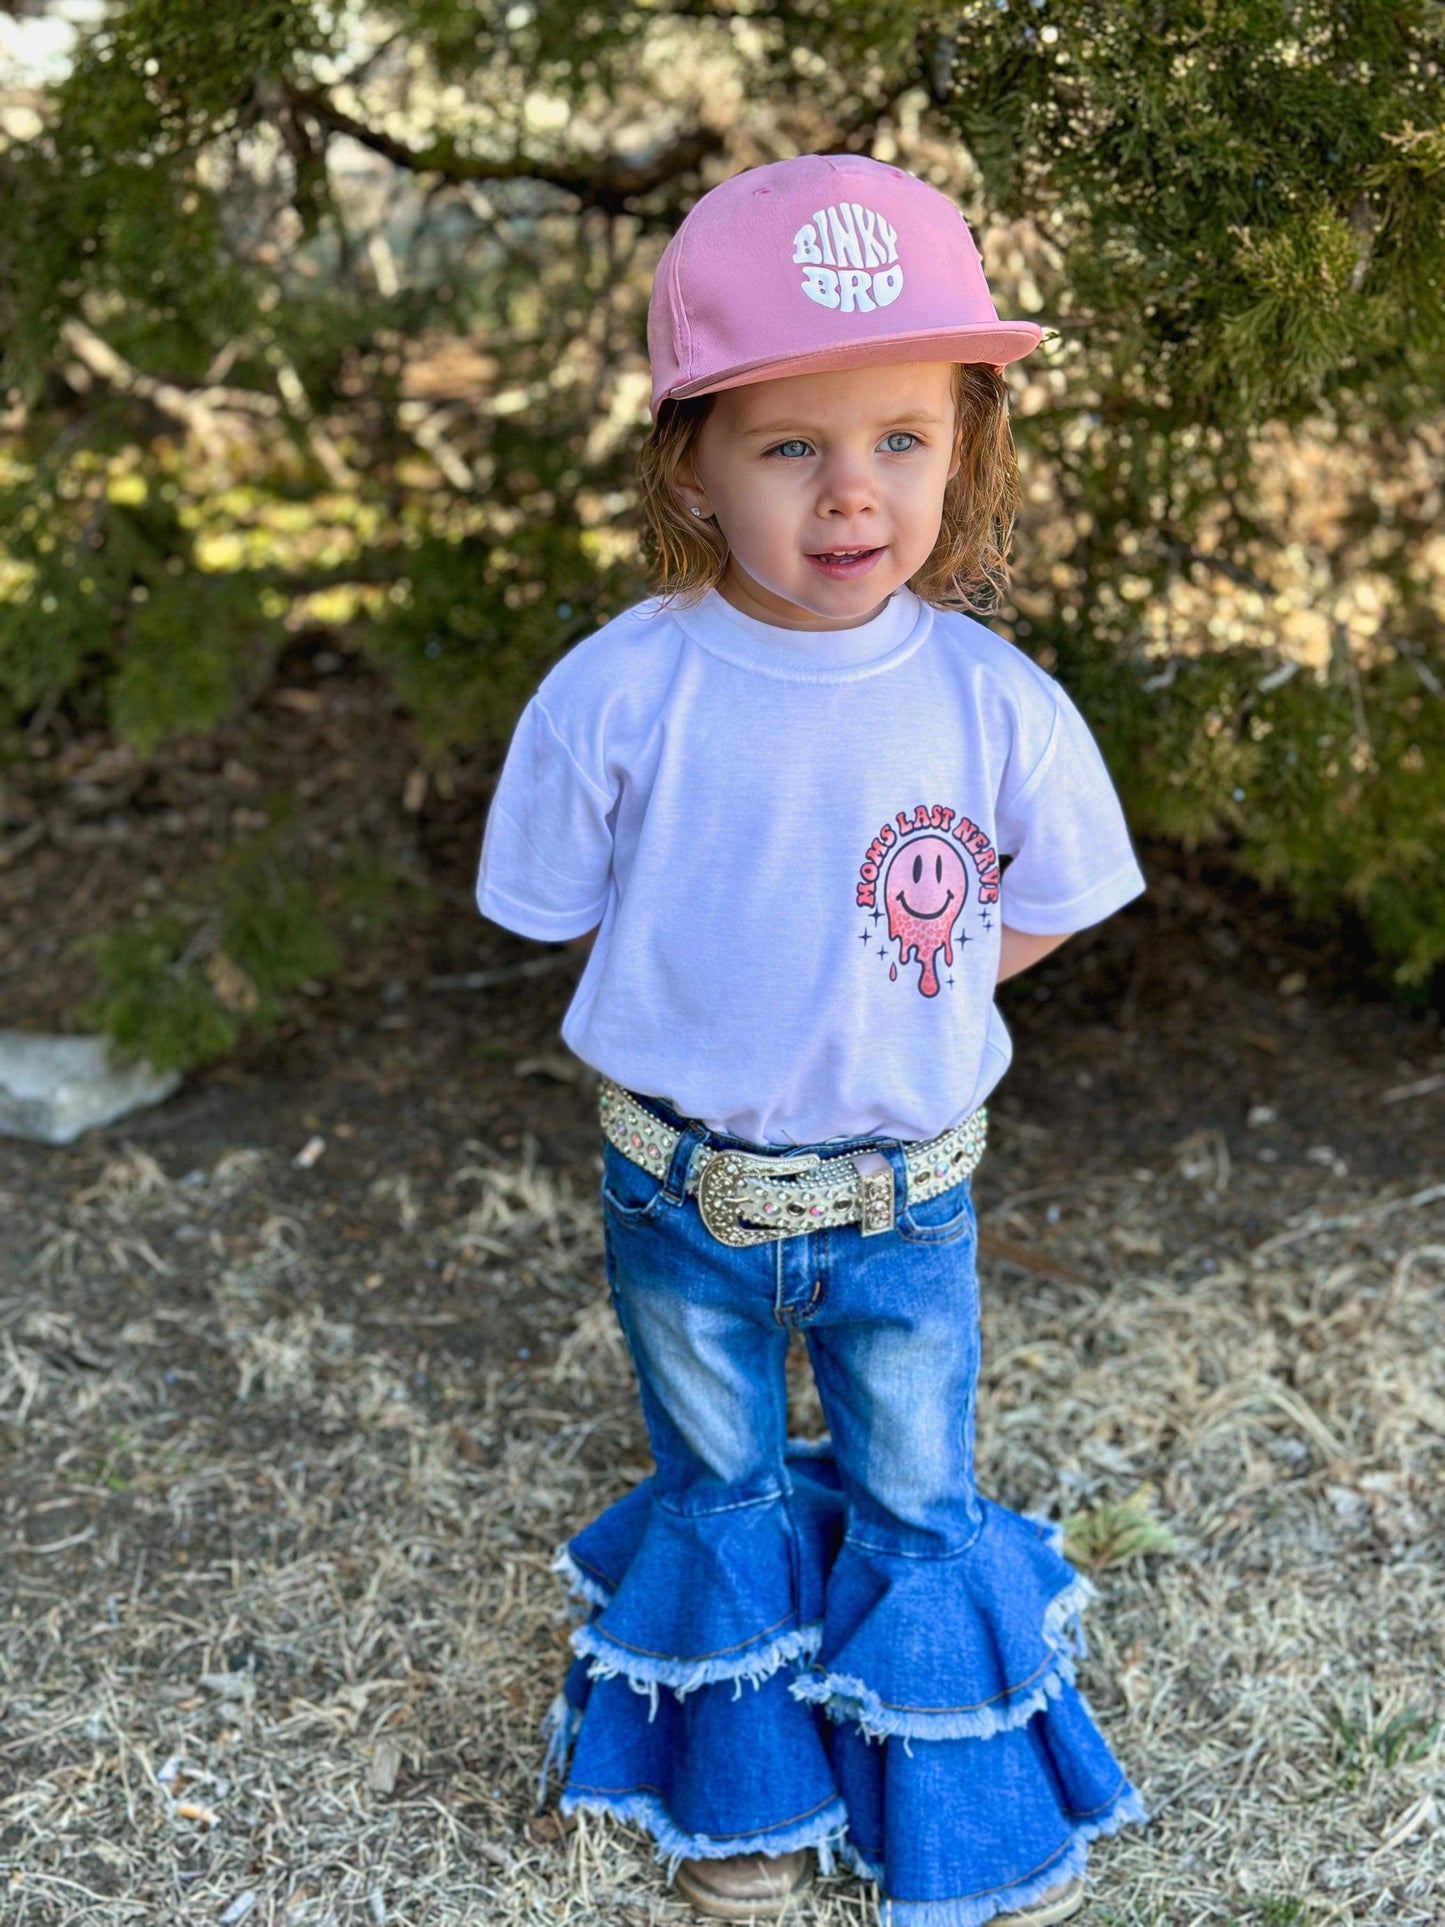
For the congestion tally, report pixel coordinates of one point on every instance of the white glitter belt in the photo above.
(747, 1200)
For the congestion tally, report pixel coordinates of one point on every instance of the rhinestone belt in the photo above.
(749, 1200)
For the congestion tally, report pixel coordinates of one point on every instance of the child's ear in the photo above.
(690, 495)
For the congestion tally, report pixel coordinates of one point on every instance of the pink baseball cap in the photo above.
(825, 261)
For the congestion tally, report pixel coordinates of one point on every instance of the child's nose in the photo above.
(847, 486)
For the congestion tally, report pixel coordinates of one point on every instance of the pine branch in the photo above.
(609, 184)
(198, 409)
(201, 410)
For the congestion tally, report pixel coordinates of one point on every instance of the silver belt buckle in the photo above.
(876, 1207)
(722, 1192)
(723, 1187)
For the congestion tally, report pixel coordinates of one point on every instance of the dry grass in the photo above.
(277, 1629)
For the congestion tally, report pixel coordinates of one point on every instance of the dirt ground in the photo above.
(305, 1373)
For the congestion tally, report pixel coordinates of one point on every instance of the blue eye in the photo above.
(906, 434)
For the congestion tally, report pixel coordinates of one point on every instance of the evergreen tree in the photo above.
(341, 310)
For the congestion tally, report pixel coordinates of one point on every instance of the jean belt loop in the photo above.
(674, 1187)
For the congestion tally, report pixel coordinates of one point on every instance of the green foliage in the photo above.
(1335, 791)
(193, 646)
(111, 609)
(368, 897)
(152, 1003)
(1404, 1739)
(1280, 1910)
(479, 624)
(270, 921)
(1250, 194)
(109, 215)
(570, 47)
(1114, 1531)
(1238, 206)
(187, 986)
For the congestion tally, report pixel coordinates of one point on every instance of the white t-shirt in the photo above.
(789, 841)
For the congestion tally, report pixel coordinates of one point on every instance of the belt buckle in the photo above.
(876, 1205)
(722, 1192)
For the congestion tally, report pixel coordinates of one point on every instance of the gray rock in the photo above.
(52, 1088)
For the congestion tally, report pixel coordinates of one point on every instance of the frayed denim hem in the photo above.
(560, 1726)
(857, 1863)
(822, 1831)
(850, 1699)
(1064, 1614)
(1071, 1602)
(846, 1698)
(977, 1909)
(578, 1582)
(645, 1673)
(1128, 1810)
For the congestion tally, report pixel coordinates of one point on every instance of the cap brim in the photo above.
(996, 342)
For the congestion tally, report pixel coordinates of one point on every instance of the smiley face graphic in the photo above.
(924, 888)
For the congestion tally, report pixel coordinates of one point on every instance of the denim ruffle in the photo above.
(973, 1909)
(959, 1766)
(754, 1594)
(884, 1664)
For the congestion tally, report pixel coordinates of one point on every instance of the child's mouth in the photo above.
(845, 563)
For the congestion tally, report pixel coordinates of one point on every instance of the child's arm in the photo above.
(1019, 949)
(1071, 862)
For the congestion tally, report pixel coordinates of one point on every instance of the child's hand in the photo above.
(1019, 948)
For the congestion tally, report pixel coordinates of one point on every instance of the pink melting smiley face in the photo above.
(923, 889)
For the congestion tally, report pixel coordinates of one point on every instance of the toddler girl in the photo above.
(782, 796)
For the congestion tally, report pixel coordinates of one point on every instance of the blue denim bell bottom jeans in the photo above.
(841, 1644)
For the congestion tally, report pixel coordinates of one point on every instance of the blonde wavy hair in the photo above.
(968, 568)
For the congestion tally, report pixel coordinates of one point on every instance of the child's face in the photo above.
(805, 464)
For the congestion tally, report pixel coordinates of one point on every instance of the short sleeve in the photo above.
(1073, 863)
(547, 848)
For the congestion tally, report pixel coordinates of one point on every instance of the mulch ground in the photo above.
(304, 1374)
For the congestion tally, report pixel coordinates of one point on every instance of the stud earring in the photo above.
(697, 511)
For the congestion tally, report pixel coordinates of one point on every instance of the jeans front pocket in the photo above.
(627, 1190)
(941, 1219)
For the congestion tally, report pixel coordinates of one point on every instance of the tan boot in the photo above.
(1059, 1903)
(749, 1886)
